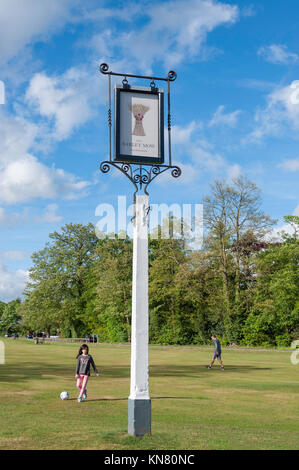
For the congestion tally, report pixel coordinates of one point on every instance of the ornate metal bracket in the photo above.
(141, 175)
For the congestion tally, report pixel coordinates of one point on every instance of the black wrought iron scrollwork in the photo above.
(105, 167)
(176, 172)
(126, 168)
(172, 75)
(140, 175)
(104, 68)
(169, 122)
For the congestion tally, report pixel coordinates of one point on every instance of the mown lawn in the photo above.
(253, 404)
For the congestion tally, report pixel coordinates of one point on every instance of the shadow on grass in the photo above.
(99, 399)
(126, 399)
(27, 371)
(199, 370)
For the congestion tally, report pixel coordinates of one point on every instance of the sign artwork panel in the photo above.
(139, 128)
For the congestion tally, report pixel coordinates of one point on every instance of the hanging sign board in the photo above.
(139, 124)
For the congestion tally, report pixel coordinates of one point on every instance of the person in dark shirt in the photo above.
(84, 360)
(217, 353)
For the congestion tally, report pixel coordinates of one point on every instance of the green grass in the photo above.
(253, 404)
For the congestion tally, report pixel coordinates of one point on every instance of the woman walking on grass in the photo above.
(83, 370)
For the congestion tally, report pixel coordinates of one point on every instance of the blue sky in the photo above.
(235, 107)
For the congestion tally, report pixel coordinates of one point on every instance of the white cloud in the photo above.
(291, 164)
(27, 178)
(280, 115)
(17, 135)
(260, 85)
(180, 134)
(234, 171)
(50, 215)
(278, 54)
(248, 11)
(67, 100)
(276, 233)
(12, 283)
(229, 119)
(188, 143)
(12, 219)
(207, 159)
(101, 15)
(23, 22)
(174, 31)
(22, 176)
(190, 174)
(13, 255)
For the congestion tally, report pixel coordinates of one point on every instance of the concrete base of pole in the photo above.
(139, 417)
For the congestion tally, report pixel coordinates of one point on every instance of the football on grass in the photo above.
(64, 395)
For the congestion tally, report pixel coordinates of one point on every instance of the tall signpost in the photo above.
(139, 154)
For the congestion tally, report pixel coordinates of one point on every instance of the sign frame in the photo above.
(121, 156)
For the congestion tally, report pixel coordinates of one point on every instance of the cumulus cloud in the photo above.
(234, 171)
(254, 84)
(228, 119)
(290, 164)
(278, 54)
(12, 283)
(67, 100)
(27, 178)
(22, 176)
(13, 255)
(189, 143)
(22, 22)
(50, 214)
(276, 234)
(170, 41)
(12, 219)
(280, 115)
(182, 134)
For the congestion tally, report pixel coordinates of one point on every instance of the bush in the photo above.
(112, 328)
(284, 340)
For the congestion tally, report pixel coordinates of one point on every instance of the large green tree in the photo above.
(237, 286)
(113, 274)
(233, 217)
(10, 319)
(274, 317)
(55, 293)
(168, 321)
(2, 306)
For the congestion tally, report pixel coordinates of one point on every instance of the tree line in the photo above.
(240, 285)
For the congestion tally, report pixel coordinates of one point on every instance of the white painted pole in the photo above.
(139, 404)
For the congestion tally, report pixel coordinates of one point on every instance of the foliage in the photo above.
(55, 295)
(10, 319)
(274, 317)
(113, 273)
(2, 306)
(239, 286)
